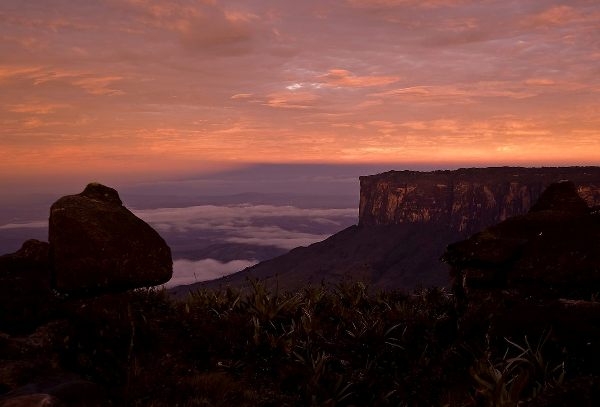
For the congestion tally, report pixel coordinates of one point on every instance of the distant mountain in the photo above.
(407, 218)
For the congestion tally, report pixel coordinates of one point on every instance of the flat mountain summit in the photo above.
(406, 220)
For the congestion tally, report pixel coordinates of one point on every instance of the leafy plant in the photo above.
(516, 378)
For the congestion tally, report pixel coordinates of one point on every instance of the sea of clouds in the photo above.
(284, 227)
(280, 226)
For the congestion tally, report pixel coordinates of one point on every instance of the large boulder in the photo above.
(98, 245)
(26, 296)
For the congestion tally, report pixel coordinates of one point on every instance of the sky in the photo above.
(144, 89)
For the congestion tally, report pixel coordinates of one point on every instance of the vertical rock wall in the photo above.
(467, 200)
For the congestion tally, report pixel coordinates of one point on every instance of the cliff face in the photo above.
(407, 219)
(466, 200)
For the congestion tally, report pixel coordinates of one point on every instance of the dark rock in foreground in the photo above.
(25, 292)
(97, 249)
(537, 273)
(96, 244)
(553, 251)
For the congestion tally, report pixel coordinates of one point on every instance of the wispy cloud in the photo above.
(343, 78)
(251, 81)
(462, 93)
(406, 3)
(25, 225)
(37, 108)
(555, 16)
(292, 99)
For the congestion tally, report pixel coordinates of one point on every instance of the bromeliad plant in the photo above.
(331, 346)
(516, 378)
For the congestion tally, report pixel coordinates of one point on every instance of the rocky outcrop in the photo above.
(465, 200)
(537, 273)
(49, 292)
(96, 244)
(30, 372)
(25, 292)
(553, 251)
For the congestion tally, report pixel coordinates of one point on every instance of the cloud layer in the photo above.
(285, 227)
(234, 229)
(188, 271)
(138, 86)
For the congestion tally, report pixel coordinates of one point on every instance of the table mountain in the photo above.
(407, 218)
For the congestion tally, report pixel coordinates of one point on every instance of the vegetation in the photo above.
(318, 347)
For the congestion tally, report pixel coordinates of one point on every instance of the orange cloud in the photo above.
(557, 15)
(291, 100)
(411, 3)
(345, 79)
(241, 96)
(99, 85)
(92, 83)
(540, 82)
(37, 108)
(8, 71)
(464, 93)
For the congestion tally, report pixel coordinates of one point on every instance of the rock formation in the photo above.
(534, 273)
(407, 218)
(468, 199)
(553, 251)
(25, 292)
(97, 250)
(97, 244)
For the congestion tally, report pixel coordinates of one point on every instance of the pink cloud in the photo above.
(346, 79)
(555, 16)
(540, 82)
(37, 108)
(460, 93)
(411, 3)
(292, 100)
(242, 80)
(205, 26)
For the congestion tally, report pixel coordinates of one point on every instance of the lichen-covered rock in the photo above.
(25, 293)
(97, 245)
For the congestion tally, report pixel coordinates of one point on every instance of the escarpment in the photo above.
(406, 220)
(465, 200)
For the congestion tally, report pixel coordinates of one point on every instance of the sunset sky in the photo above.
(134, 87)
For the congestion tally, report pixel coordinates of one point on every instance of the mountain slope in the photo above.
(407, 218)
